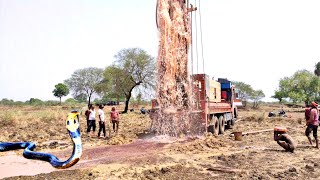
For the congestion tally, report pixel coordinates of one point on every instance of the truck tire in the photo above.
(221, 124)
(215, 125)
(229, 124)
(211, 123)
(233, 122)
(210, 127)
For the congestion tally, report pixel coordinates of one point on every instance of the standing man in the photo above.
(114, 117)
(102, 122)
(92, 120)
(313, 123)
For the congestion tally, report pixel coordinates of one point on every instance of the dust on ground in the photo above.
(133, 153)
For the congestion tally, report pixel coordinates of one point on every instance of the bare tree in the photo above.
(133, 67)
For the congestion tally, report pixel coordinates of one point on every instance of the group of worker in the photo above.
(312, 123)
(91, 121)
(114, 119)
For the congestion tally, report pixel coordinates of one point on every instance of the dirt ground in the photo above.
(136, 154)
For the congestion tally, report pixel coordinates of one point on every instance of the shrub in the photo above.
(7, 119)
(261, 117)
(71, 101)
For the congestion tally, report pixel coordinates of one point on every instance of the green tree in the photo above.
(84, 81)
(317, 69)
(110, 86)
(60, 91)
(35, 101)
(80, 97)
(6, 101)
(280, 95)
(133, 67)
(302, 86)
(244, 91)
(71, 101)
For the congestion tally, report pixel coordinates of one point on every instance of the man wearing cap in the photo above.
(313, 123)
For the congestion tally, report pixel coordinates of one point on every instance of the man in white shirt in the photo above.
(92, 120)
(102, 123)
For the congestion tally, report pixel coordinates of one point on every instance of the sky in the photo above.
(42, 42)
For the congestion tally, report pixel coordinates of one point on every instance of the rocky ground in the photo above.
(136, 154)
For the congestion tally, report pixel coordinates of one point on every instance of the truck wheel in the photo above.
(216, 125)
(229, 126)
(210, 127)
(233, 122)
(221, 124)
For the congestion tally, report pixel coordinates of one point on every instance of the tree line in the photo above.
(247, 94)
(133, 68)
(302, 86)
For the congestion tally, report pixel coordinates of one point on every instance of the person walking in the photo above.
(102, 123)
(114, 118)
(313, 123)
(92, 120)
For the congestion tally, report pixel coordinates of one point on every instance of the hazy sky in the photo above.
(258, 42)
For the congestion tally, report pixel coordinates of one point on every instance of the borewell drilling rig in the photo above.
(188, 104)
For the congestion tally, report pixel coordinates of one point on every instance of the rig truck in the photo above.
(215, 103)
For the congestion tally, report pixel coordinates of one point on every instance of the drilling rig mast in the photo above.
(173, 78)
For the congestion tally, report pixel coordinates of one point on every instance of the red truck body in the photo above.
(214, 101)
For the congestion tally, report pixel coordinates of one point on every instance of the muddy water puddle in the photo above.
(15, 165)
(12, 163)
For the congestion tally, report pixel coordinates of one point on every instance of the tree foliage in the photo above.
(71, 101)
(81, 98)
(133, 67)
(84, 81)
(244, 91)
(302, 86)
(280, 95)
(247, 93)
(6, 101)
(60, 91)
(35, 101)
(109, 88)
(317, 69)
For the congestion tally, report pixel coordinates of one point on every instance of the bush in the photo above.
(35, 101)
(7, 119)
(7, 102)
(71, 101)
(51, 103)
(261, 117)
